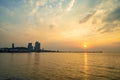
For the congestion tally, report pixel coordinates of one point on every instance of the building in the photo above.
(13, 46)
(30, 47)
(37, 46)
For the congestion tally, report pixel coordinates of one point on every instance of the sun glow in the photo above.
(85, 45)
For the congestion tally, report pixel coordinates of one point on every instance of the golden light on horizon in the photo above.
(85, 45)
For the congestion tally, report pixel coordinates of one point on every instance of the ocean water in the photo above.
(60, 66)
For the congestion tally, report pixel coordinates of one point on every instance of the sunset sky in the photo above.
(61, 24)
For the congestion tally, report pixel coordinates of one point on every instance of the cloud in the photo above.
(93, 3)
(52, 1)
(111, 20)
(91, 10)
(51, 26)
(108, 28)
(114, 15)
(31, 2)
(105, 16)
(38, 4)
(70, 5)
(41, 3)
(87, 17)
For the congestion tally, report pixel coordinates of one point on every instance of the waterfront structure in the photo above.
(37, 46)
(30, 47)
(13, 46)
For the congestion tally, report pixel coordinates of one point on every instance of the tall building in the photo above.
(13, 45)
(37, 46)
(30, 47)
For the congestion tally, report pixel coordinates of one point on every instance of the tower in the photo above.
(37, 46)
(13, 45)
(30, 47)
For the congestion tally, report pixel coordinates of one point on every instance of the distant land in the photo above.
(37, 48)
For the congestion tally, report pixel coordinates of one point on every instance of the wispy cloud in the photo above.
(36, 7)
(108, 28)
(114, 15)
(105, 18)
(111, 20)
(87, 17)
(70, 5)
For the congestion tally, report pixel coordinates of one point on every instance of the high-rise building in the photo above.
(37, 46)
(13, 45)
(30, 47)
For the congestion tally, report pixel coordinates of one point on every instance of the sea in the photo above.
(60, 66)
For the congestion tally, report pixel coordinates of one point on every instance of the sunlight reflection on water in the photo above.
(85, 66)
(60, 66)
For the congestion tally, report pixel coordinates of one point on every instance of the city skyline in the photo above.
(37, 48)
(29, 48)
(61, 24)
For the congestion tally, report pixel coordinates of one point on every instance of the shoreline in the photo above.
(51, 51)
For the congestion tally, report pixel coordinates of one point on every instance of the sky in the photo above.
(61, 24)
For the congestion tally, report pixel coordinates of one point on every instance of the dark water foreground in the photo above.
(60, 66)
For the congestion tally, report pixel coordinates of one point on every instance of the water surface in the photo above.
(60, 66)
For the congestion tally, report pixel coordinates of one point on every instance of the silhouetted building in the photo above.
(21, 49)
(13, 45)
(37, 46)
(30, 47)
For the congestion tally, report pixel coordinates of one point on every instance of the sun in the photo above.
(85, 45)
